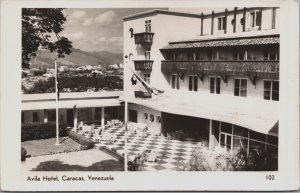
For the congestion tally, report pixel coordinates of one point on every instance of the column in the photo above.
(212, 22)
(75, 117)
(102, 117)
(244, 17)
(225, 29)
(202, 17)
(210, 138)
(45, 116)
(234, 19)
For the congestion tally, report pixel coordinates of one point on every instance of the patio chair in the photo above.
(152, 156)
(113, 137)
(169, 136)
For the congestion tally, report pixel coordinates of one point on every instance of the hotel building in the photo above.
(219, 72)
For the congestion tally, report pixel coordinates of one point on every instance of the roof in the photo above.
(160, 11)
(69, 100)
(226, 108)
(225, 42)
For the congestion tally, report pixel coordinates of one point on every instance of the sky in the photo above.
(96, 29)
(101, 29)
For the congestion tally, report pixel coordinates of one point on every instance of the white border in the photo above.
(287, 178)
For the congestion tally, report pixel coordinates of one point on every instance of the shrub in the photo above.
(34, 131)
(23, 154)
(85, 142)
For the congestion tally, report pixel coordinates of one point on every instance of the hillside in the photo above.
(77, 58)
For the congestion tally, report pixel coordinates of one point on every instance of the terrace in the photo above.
(144, 38)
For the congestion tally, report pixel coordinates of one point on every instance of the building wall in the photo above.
(265, 25)
(154, 126)
(253, 91)
(176, 30)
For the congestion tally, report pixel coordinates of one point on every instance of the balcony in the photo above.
(257, 68)
(144, 38)
(143, 64)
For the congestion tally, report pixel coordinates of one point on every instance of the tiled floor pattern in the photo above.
(170, 153)
(118, 145)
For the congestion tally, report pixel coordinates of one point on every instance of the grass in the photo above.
(48, 147)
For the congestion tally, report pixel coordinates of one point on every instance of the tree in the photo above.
(39, 28)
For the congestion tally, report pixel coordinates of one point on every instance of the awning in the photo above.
(229, 42)
(81, 103)
(255, 114)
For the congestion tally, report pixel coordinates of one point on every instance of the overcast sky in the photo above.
(101, 29)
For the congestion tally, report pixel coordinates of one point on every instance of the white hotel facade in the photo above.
(219, 71)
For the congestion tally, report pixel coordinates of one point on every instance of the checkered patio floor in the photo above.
(170, 154)
(117, 146)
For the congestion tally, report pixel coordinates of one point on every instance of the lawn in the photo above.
(47, 146)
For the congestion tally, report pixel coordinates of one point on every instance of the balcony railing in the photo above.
(141, 94)
(143, 38)
(143, 64)
(246, 67)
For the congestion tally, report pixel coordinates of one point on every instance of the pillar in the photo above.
(212, 22)
(102, 116)
(210, 138)
(244, 17)
(225, 29)
(202, 17)
(75, 117)
(45, 116)
(234, 19)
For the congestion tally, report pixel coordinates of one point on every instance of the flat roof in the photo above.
(159, 11)
(70, 100)
(225, 108)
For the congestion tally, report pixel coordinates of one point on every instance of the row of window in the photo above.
(84, 114)
(240, 54)
(270, 87)
(232, 137)
(255, 20)
(150, 117)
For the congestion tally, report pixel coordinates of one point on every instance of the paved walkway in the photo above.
(170, 153)
(89, 160)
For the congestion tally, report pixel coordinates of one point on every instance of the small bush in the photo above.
(34, 131)
(85, 142)
(23, 154)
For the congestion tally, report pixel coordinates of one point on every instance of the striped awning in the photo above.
(229, 42)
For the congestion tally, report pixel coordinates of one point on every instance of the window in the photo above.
(147, 53)
(255, 18)
(271, 90)
(146, 116)
(210, 55)
(191, 55)
(240, 87)
(148, 26)
(51, 115)
(175, 81)
(239, 55)
(151, 118)
(147, 78)
(193, 83)
(98, 112)
(271, 54)
(221, 23)
(35, 117)
(215, 85)
(133, 116)
(158, 119)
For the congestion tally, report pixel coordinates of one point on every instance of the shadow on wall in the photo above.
(106, 165)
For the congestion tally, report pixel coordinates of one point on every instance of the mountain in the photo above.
(76, 58)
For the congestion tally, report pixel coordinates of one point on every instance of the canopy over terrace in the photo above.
(69, 100)
(235, 110)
